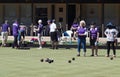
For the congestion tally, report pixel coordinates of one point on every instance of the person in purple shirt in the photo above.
(39, 31)
(74, 28)
(82, 33)
(4, 33)
(15, 29)
(94, 38)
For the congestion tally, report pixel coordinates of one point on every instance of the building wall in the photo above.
(1, 13)
(78, 11)
(25, 14)
(60, 14)
(11, 12)
(44, 5)
(91, 13)
(112, 13)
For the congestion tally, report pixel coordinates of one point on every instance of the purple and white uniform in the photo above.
(80, 31)
(93, 33)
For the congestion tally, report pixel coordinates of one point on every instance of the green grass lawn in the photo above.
(26, 63)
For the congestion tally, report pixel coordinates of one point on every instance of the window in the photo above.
(60, 19)
(60, 9)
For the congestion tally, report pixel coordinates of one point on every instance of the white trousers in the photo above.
(4, 37)
(39, 39)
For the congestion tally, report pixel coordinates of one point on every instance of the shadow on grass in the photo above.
(66, 46)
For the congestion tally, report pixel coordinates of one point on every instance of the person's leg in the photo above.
(39, 40)
(108, 49)
(13, 44)
(96, 47)
(14, 41)
(52, 39)
(22, 36)
(79, 46)
(56, 45)
(83, 41)
(74, 35)
(2, 37)
(56, 40)
(6, 37)
(19, 39)
(70, 40)
(114, 49)
(92, 46)
(52, 43)
(96, 50)
(92, 50)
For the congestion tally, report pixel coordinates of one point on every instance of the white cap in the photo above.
(39, 21)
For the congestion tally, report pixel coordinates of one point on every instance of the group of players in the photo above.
(78, 30)
(18, 33)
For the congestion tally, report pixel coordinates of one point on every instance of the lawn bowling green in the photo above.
(27, 63)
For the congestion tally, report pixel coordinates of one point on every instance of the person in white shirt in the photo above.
(53, 34)
(111, 35)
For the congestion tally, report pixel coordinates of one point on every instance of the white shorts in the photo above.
(4, 35)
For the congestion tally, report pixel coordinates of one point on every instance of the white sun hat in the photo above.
(39, 21)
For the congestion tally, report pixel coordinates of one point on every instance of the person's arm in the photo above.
(0, 29)
(98, 36)
(84, 34)
(36, 29)
(106, 32)
(55, 26)
(116, 33)
(76, 32)
(89, 34)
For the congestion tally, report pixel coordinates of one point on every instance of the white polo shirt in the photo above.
(53, 27)
(111, 34)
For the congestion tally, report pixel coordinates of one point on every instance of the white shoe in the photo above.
(40, 48)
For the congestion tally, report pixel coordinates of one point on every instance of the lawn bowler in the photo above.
(111, 33)
(82, 33)
(39, 32)
(74, 28)
(5, 30)
(94, 38)
(15, 29)
(53, 34)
